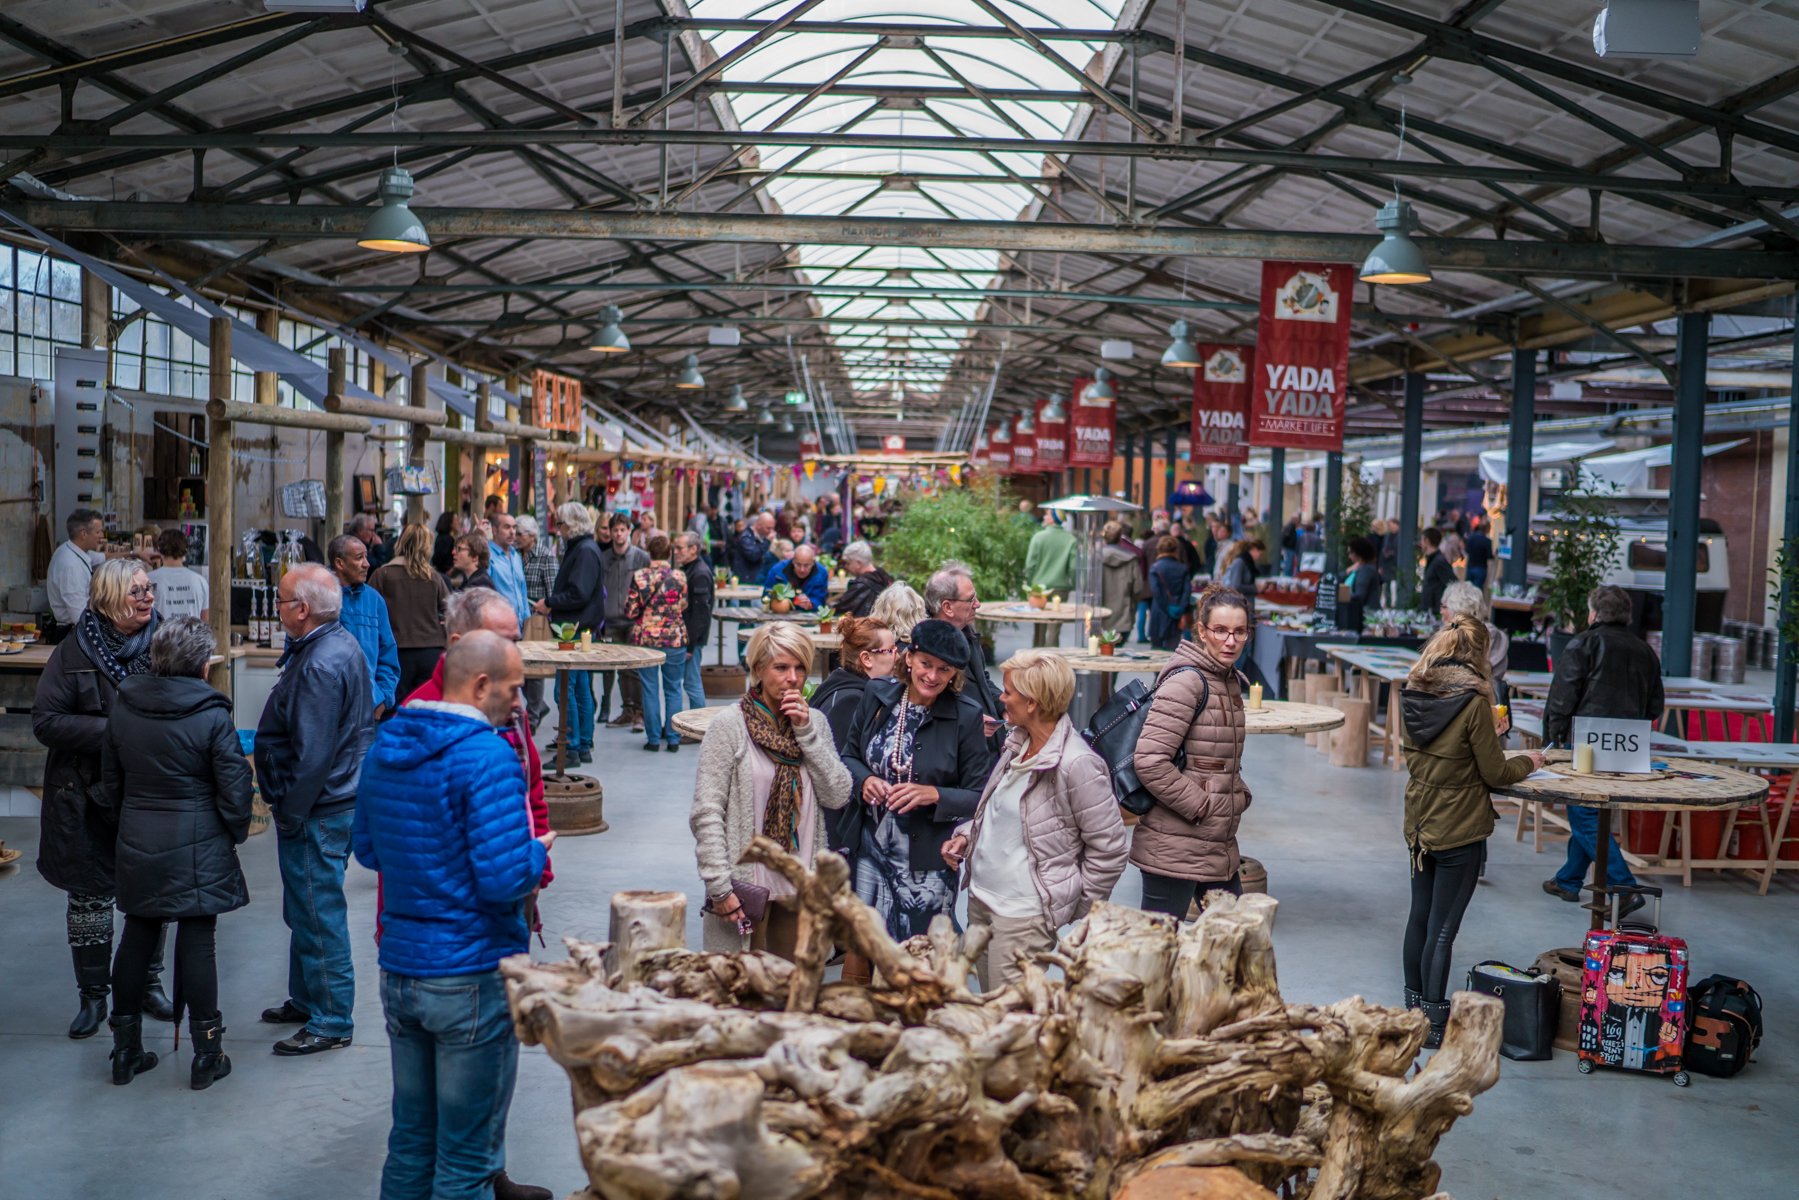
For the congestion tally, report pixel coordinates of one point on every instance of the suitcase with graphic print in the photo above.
(1633, 1004)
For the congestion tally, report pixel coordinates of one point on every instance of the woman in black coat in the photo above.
(578, 597)
(175, 777)
(918, 760)
(109, 642)
(869, 652)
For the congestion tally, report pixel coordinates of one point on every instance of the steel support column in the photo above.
(1275, 518)
(1174, 449)
(1333, 510)
(1149, 461)
(1680, 597)
(1130, 467)
(1518, 473)
(1411, 467)
(1786, 671)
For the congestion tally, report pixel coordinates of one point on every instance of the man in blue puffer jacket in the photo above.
(442, 813)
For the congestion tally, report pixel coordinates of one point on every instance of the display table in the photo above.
(1689, 786)
(1377, 665)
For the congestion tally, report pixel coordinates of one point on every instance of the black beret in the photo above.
(941, 640)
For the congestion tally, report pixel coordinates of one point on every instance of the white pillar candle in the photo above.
(1093, 645)
(1255, 695)
(1583, 759)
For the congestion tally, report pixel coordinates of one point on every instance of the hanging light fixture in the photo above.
(690, 376)
(1397, 259)
(785, 426)
(1101, 387)
(1180, 352)
(735, 401)
(764, 417)
(392, 226)
(1027, 424)
(610, 339)
(1054, 410)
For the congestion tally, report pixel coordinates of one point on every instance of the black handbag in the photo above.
(1113, 734)
(1533, 1007)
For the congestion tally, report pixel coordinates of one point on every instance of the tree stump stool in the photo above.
(1316, 686)
(1327, 737)
(1349, 748)
(643, 923)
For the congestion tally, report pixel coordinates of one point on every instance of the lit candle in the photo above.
(1255, 695)
(587, 639)
(1093, 645)
(1583, 759)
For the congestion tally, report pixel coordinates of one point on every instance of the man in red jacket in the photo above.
(484, 608)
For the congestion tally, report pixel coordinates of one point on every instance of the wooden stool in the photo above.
(1349, 748)
(1315, 686)
(1327, 737)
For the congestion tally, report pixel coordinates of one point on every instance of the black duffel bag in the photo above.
(1533, 1007)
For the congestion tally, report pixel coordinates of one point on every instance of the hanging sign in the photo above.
(1052, 439)
(1302, 355)
(1221, 401)
(811, 444)
(556, 400)
(1000, 448)
(1024, 453)
(893, 443)
(981, 454)
(1090, 427)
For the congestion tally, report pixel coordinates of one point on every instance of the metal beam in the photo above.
(1411, 468)
(1476, 255)
(1786, 670)
(1518, 473)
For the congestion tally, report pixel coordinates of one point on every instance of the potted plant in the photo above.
(824, 620)
(1108, 641)
(1037, 597)
(565, 635)
(1583, 549)
(780, 598)
(829, 565)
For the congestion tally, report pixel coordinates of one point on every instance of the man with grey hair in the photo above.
(949, 595)
(314, 730)
(366, 529)
(72, 570)
(867, 581)
(541, 560)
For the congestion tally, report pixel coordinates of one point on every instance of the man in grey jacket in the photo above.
(619, 560)
(309, 746)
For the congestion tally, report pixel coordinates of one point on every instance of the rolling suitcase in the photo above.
(1633, 1005)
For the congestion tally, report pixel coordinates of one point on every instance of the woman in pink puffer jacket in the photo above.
(1047, 839)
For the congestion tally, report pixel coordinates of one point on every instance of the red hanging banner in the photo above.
(980, 455)
(1024, 451)
(893, 443)
(1302, 355)
(999, 443)
(1221, 399)
(1090, 428)
(811, 445)
(1052, 438)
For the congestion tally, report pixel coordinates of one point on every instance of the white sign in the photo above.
(1618, 746)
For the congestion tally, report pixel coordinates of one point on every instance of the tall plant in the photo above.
(975, 524)
(1354, 514)
(1583, 549)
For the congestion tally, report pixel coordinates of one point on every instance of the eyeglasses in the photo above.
(296, 600)
(1228, 635)
(143, 593)
(888, 650)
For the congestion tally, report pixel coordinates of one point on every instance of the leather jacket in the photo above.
(316, 727)
(1608, 671)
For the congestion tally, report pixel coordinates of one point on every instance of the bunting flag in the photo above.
(1090, 426)
(810, 468)
(1221, 399)
(1302, 355)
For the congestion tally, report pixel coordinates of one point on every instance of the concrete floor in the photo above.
(315, 1128)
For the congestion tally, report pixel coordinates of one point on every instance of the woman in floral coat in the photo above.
(654, 605)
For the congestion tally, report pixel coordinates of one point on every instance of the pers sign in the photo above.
(1090, 426)
(1221, 402)
(1618, 746)
(1302, 355)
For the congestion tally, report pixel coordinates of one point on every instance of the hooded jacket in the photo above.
(442, 814)
(175, 778)
(1121, 583)
(1453, 756)
(1191, 832)
(315, 728)
(1608, 671)
(816, 587)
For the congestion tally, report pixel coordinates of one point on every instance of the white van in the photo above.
(1641, 567)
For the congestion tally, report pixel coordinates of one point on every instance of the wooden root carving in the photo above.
(720, 1076)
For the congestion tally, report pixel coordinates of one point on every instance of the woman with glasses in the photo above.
(870, 652)
(75, 695)
(1170, 594)
(1186, 845)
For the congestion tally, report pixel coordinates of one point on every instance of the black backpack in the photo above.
(1114, 730)
(1724, 1025)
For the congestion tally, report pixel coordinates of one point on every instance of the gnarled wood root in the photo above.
(725, 1076)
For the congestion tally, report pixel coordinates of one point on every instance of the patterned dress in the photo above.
(885, 880)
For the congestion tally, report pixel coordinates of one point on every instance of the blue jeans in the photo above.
(1477, 576)
(1142, 620)
(1583, 841)
(690, 678)
(455, 1060)
(580, 710)
(662, 695)
(320, 978)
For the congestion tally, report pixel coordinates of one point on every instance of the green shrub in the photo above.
(974, 524)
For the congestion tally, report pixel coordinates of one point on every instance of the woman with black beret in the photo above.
(919, 761)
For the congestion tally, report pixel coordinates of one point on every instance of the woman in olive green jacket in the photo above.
(1453, 754)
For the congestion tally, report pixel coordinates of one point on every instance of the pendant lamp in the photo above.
(1397, 259)
(1180, 352)
(785, 426)
(1101, 387)
(1055, 410)
(392, 226)
(1027, 424)
(735, 402)
(764, 417)
(610, 339)
(690, 376)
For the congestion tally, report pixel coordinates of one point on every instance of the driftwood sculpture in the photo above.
(720, 1077)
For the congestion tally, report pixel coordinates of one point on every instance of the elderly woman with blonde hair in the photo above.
(75, 696)
(766, 767)
(899, 608)
(1466, 600)
(1047, 841)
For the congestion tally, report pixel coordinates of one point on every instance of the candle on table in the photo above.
(1092, 644)
(1255, 695)
(1583, 759)
(587, 639)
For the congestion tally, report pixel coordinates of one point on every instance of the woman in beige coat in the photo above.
(766, 766)
(1047, 840)
(1186, 845)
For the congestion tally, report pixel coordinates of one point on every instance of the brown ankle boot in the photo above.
(857, 969)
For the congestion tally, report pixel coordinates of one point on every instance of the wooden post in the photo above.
(219, 473)
(416, 396)
(334, 454)
(268, 323)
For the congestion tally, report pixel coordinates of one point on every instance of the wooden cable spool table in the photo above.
(736, 591)
(1292, 717)
(575, 801)
(824, 645)
(1686, 787)
(693, 722)
(1049, 621)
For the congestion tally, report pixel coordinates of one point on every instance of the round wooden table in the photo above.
(1686, 786)
(543, 660)
(1290, 716)
(575, 800)
(759, 616)
(736, 591)
(824, 646)
(1019, 610)
(695, 721)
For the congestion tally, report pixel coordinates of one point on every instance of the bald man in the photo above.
(810, 586)
(441, 815)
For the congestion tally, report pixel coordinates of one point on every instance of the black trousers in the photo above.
(1442, 885)
(196, 968)
(1166, 894)
(416, 666)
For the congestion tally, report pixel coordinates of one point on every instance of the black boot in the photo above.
(129, 1058)
(93, 975)
(505, 1189)
(210, 1062)
(1439, 1017)
(1413, 1000)
(156, 1004)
